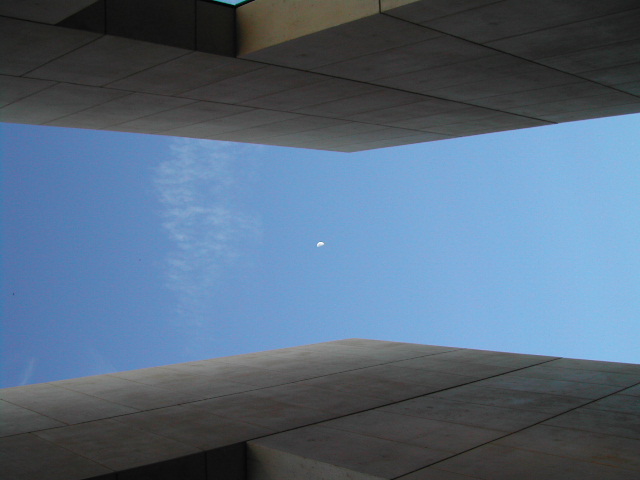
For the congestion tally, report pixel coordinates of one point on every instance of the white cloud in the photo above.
(200, 189)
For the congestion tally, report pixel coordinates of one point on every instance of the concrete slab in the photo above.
(635, 391)
(367, 455)
(433, 379)
(554, 387)
(596, 366)
(48, 12)
(194, 426)
(120, 110)
(586, 446)
(420, 11)
(475, 415)
(593, 113)
(262, 411)
(336, 403)
(61, 404)
(15, 88)
(515, 17)
(15, 420)
(367, 35)
(497, 123)
(542, 110)
(618, 403)
(326, 90)
(191, 467)
(503, 463)
(169, 78)
(173, 22)
(433, 473)
(25, 457)
(600, 421)
(189, 114)
(422, 432)
(101, 62)
(25, 46)
(254, 84)
(595, 32)
(521, 400)
(546, 371)
(102, 442)
(358, 384)
(610, 55)
(135, 395)
(265, 464)
(55, 102)
(435, 51)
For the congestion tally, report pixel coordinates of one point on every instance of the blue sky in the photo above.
(124, 251)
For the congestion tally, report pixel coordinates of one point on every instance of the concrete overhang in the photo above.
(324, 74)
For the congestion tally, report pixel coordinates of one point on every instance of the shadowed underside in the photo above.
(330, 74)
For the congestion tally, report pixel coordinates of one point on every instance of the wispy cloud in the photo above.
(201, 189)
(27, 373)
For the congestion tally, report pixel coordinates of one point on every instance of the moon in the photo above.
(320, 244)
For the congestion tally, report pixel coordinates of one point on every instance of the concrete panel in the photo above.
(102, 442)
(61, 404)
(586, 446)
(120, 110)
(194, 426)
(102, 61)
(27, 457)
(249, 119)
(16, 88)
(596, 366)
(435, 52)
(243, 88)
(368, 35)
(577, 375)
(324, 91)
(574, 37)
(169, 22)
(271, 22)
(294, 125)
(135, 395)
(593, 113)
(516, 17)
(433, 473)
(422, 432)
(227, 463)
(405, 116)
(377, 100)
(366, 454)
(191, 467)
(215, 28)
(600, 421)
(618, 403)
(544, 95)
(542, 110)
(92, 18)
(266, 464)
(420, 138)
(336, 403)
(25, 46)
(516, 399)
(470, 369)
(56, 102)
(420, 11)
(358, 384)
(262, 411)
(612, 55)
(554, 387)
(475, 415)
(503, 463)
(15, 420)
(169, 78)
(190, 114)
(497, 123)
(436, 380)
(42, 12)
(614, 75)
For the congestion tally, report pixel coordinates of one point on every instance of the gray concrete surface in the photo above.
(386, 72)
(348, 409)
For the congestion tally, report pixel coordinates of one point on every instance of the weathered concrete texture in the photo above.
(330, 74)
(350, 409)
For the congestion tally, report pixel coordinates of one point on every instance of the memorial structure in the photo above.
(343, 75)
(349, 409)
